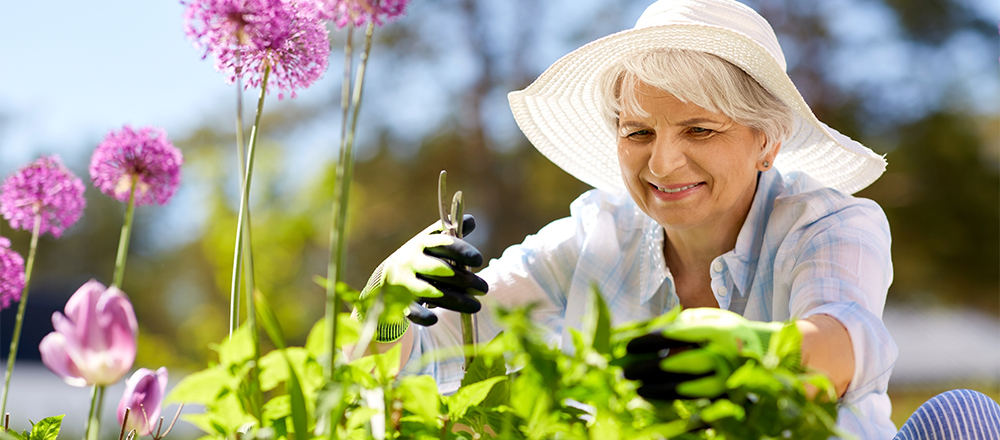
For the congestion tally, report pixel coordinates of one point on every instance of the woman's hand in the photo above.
(710, 338)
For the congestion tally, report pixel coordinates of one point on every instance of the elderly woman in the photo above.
(716, 188)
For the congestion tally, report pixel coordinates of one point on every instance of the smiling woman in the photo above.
(716, 187)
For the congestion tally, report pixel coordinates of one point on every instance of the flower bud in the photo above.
(94, 343)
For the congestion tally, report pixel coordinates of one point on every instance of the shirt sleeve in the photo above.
(539, 271)
(842, 268)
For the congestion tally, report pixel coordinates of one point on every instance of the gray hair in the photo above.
(702, 79)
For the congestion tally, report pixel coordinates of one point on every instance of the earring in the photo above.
(766, 164)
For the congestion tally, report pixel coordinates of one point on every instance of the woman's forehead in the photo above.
(655, 103)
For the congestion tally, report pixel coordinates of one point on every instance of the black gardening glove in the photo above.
(705, 343)
(432, 266)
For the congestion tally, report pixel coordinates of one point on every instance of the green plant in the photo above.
(518, 387)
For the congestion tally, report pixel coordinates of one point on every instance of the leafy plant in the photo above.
(518, 387)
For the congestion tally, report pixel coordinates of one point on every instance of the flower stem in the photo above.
(240, 225)
(247, 270)
(332, 274)
(126, 234)
(19, 321)
(93, 428)
(345, 172)
(242, 237)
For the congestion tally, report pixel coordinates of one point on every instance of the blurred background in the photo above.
(916, 81)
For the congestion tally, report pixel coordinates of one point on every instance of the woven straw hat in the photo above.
(561, 112)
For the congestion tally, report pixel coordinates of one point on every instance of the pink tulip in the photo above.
(94, 342)
(144, 393)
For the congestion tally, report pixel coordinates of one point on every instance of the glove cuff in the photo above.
(388, 330)
(391, 331)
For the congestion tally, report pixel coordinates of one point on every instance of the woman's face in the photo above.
(687, 167)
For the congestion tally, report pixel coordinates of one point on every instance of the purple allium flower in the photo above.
(44, 187)
(244, 35)
(145, 155)
(11, 274)
(360, 12)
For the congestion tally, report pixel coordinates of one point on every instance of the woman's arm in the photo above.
(826, 347)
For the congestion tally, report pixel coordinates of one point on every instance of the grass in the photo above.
(906, 400)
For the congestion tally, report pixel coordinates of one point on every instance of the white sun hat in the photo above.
(561, 112)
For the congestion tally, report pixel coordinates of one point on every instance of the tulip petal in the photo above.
(144, 392)
(81, 310)
(56, 357)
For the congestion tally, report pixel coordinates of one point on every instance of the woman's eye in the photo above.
(699, 131)
(639, 134)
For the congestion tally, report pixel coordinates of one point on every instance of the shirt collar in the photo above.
(742, 260)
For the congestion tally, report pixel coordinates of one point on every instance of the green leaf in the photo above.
(300, 415)
(662, 430)
(359, 416)
(486, 365)
(787, 345)
(387, 364)
(277, 408)
(469, 396)
(269, 321)
(202, 387)
(204, 423)
(13, 435)
(722, 408)
(754, 377)
(598, 323)
(274, 366)
(419, 395)
(229, 414)
(348, 331)
(47, 428)
(238, 349)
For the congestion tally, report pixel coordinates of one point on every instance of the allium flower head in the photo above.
(246, 35)
(44, 187)
(146, 157)
(11, 274)
(360, 12)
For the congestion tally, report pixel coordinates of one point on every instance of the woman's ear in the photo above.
(766, 160)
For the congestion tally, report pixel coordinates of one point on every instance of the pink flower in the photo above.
(146, 157)
(144, 393)
(95, 341)
(246, 35)
(360, 12)
(11, 274)
(44, 187)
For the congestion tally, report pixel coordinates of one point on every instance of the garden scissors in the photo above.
(451, 222)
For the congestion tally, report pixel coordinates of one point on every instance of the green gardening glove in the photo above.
(433, 267)
(694, 355)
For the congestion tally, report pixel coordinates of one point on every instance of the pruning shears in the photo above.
(451, 222)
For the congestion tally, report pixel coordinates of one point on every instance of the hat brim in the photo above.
(561, 113)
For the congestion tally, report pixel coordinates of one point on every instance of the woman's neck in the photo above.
(689, 252)
(699, 245)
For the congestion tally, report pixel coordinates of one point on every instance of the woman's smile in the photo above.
(670, 193)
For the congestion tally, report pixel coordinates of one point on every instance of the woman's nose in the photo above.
(666, 157)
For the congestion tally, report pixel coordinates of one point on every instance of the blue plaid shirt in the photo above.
(804, 249)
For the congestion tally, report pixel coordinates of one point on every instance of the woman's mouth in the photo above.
(673, 193)
(677, 189)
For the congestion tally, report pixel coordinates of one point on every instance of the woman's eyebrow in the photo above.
(700, 120)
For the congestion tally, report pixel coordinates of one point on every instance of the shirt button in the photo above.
(723, 291)
(717, 266)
